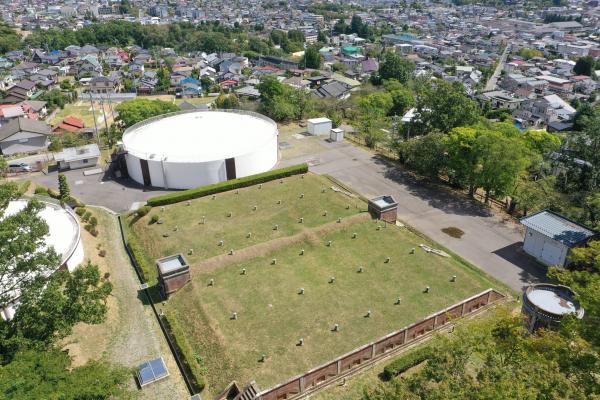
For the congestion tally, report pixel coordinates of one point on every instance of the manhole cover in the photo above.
(284, 145)
(313, 162)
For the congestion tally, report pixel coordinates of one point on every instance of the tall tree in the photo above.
(442, 106)
(585, 66)
(63, 188)
(393, 66)
(312, 58)
(134, 111)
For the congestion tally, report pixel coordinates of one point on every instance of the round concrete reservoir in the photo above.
(545, 305)
(194, 148)
(63, 235)
(551, 302)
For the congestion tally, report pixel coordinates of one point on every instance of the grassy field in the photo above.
(83, 110)
(233, 231)
(272, 315)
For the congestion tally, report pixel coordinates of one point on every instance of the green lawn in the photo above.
(196, 100)
(84, 112)
(204, 238)
(272, 316)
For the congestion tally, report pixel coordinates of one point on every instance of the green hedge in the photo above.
(405, 362)
(148, 275)
(186, 355)
(251, 180)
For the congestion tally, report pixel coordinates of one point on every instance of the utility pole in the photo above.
(94, 117)
(106, 124)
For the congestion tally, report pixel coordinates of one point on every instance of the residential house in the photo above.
(21, 91)
(333, 89)
(87, 66)
(69, 124)
(147, 82)
(556, 84)
(23, 135)
(544, 111)
(105, 84)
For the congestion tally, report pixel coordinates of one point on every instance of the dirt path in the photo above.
(130, 334)
(267, 247)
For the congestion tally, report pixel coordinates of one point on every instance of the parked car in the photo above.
(19, 167)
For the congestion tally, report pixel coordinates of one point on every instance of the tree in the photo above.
(49, 375)
(396, 67)
(443, 106)
(585, 66)
(63, 189)
(340, 27)
(164, 80)
(55, 98)
(321, 37)
(495, 358)
(24, 261)
(134, 111)
(50, 308)
(9, 39)
(227, 101)
(312, 58)
(424, 154)
(527, 53)
(402, 101)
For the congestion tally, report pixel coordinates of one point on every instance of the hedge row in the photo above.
(140, 258)
(193, 370)
(403, 363)
(251, 180)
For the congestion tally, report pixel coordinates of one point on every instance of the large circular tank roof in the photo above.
(199, 136)
(553, 299)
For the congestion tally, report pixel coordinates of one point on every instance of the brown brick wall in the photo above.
(320, 375)
(356, 358)
(173, 284)
(284, 391)
(383, 345)
(420, 329)
(389, 343)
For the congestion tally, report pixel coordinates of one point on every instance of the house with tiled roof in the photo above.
(69, 124)
(23, 135)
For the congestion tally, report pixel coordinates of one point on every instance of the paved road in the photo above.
(491, 83)
(100, 190)
(488, 242)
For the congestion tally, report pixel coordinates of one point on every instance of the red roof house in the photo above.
(69, 124)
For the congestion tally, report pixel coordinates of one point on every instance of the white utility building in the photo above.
(63, 236)
(195, 148)
(549, 237)
(319, 126)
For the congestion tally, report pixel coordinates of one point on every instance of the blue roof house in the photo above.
(549, 237)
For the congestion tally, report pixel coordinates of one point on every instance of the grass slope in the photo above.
(204, 238)
(272, 316)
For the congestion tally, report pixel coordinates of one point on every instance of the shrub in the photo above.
(93, 221)
(23, 187)
(154, 219)
(80, 211)
(138, 255)
(41, 190)
(227, 185)
(142, 211)
(102, 253)
(192, 364)
(405, 362)
(53, 193)
(86, 216)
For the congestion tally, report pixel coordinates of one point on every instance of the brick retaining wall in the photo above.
(377, 349)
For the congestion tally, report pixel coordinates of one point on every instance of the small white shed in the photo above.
(78, 157)
(549, 237)
(336, 135)
(319, 126)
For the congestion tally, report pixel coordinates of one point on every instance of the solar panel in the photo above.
(152, 371)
